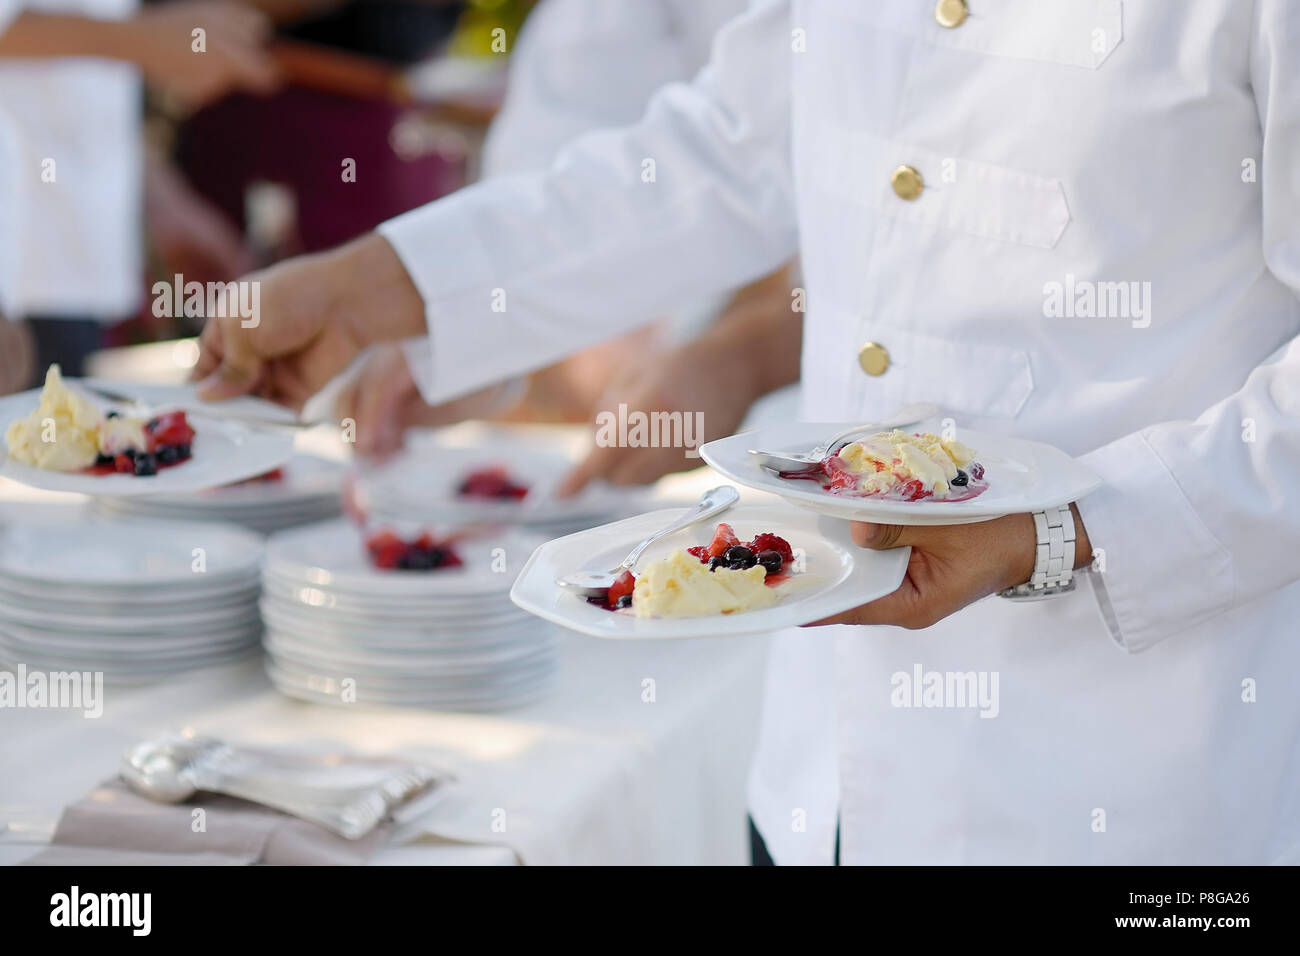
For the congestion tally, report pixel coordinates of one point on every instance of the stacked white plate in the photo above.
(136, 600)
(306, 492)
(341, 631)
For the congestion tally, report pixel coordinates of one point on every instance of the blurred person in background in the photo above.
(72, 160)
(580, 65)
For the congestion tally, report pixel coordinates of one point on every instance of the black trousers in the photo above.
(758, 855)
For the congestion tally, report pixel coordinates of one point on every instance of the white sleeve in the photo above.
(697, 197)
(9, 10)
(580, 65)
(1199, 517)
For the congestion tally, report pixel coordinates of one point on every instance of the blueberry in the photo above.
(182, 452)
(770, 560)
(624, 600)
(740, 555)
(436, 557)
(112, 415)
(961, 479)
(169, 454)
(145, 465)
(130, 453)
(103, 460)
(716, 562)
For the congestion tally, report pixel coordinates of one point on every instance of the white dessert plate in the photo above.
(423, 483)
(1022, 476)
(224, 451)
(837, 575)
(332, 554)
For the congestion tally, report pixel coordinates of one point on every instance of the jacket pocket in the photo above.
(960, 195)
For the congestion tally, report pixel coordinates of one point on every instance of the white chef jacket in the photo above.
(1150, 716)
(72, 246)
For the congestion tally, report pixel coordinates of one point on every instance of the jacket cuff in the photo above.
(1157, 569)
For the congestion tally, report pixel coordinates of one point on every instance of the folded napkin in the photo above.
(113, 826)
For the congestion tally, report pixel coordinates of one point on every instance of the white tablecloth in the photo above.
(592, 773)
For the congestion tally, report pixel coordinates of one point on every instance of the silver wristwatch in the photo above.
(1054, 565)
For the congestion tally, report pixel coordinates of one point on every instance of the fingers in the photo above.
(890, 609)
(238, 369)
(599, 461)
(883, 537)
(379, 418)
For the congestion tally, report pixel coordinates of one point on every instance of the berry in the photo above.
(912, 489)
(839, 477)
(723, 538)
(125, 462)
(103, 461)
(772, 542)
(738, 556)
(718, 562)
(146, 465)
(491, 483)
(976, 470)
(700, 551)
(622, 585)
(961, 480)
(112, 415)
(771, 561)
(170, 428)
(624, 601)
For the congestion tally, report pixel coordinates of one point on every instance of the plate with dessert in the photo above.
(62, 438)
(760, 569)
(906, 476)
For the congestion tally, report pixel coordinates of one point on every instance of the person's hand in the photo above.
(188, 234)
(705, 376)
(159, 40)
(952, 566)
(315, 314)
(17, 354)
(384, 401)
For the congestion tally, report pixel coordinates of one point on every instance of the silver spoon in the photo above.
(597, 583)
(794, 463)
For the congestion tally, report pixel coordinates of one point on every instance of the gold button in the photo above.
(874, 358)
(907, 182)
(951, 13)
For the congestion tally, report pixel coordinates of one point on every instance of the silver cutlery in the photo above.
(794, 463)
(349, 797)
(144, 409)
(597, 583)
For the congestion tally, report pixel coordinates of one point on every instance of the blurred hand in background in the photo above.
(17, 356)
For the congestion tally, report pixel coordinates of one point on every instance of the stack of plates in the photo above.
(136, 600)
(308, 491)
(339, 630)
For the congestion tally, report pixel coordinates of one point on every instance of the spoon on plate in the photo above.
(597, 583)
(795, 463)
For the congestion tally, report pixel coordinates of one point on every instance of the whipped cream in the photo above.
(681, 586)
(62, 434)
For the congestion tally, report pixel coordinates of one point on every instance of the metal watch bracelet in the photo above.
(1054, 563)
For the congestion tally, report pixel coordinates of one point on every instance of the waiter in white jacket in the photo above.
(948, 172)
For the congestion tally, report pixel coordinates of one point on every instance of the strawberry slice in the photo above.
(700, 551)
(169, 428)
(839, 475)
(723, 538)
(623, 584)
(912, 489)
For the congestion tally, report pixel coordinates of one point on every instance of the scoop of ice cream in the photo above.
(62, 434)
(681, 586)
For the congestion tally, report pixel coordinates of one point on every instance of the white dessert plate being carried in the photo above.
(834, 574)
(224, 451)
(1022, 476)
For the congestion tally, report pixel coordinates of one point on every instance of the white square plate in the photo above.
(837, 575)
(1022, 476)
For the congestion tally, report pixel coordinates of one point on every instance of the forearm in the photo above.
(760, 335)
(56, 35)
